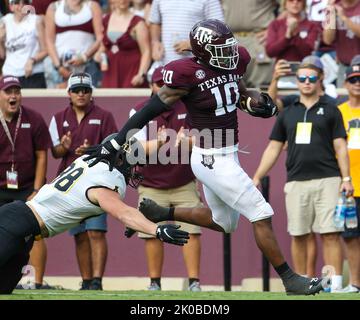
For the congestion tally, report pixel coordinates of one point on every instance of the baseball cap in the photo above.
(352, 71)
(82, 80)
(312, 62)
(9, 81)
(157, 76)
(355, 60)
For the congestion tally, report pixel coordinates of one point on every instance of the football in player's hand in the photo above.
(250, 99)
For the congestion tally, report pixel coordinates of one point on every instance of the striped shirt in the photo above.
(178, 17)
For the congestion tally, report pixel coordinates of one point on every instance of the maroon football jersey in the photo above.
(211, 101)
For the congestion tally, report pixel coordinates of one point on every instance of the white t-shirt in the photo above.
(21, 43)
(177, 19)
(63, 203)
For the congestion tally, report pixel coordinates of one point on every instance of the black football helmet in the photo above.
(129, 158)
(213, 43)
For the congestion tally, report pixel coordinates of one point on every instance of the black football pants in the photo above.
(18, 227)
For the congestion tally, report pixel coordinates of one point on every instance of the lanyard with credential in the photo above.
(303, 131)
(12, 142)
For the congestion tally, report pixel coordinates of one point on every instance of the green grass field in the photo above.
(166, 295)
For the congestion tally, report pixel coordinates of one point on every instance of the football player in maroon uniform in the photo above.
(210, 86)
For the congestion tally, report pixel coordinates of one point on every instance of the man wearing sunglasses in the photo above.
(317, 169)
(72, 130)
(350, 111)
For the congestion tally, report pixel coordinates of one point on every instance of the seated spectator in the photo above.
(73, 35)
(292, 37)
(22, 45)
(344, 32)
(126, 47)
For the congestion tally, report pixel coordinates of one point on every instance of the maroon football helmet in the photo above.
(214, 44)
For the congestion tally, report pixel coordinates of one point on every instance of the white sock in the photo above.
(304, 275)
(336, 282)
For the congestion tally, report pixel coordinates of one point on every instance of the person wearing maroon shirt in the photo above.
(24, 141)
(82, 124)
(344, 32)
(169, 184)
(293, 37)
(210, 86)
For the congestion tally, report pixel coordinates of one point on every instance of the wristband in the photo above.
(346, 179)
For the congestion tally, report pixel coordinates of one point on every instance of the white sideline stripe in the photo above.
(45, 93)
(59, 292)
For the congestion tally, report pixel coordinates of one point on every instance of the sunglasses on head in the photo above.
(353, 80)
(312, 79)
(84, 90)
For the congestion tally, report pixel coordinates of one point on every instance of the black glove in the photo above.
(266, 107)
(129, 232)
(100, 152)
(169, 233)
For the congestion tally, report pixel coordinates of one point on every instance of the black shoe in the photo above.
(95, 285)
(85, 285)
(151, 210)
(298, 285)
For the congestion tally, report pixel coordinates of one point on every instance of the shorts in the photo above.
(97, 223)
(228, 190)
(185, 196)
(310, 205)
(18, 227)
(355, 232)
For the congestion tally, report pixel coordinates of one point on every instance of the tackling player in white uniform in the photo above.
(78, 193)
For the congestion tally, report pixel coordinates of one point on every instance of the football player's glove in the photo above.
(105, 151)
(169, 233)
(264, 108)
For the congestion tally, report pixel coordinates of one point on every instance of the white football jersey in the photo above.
(63, 203)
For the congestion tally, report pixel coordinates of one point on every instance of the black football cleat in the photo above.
(298, 285)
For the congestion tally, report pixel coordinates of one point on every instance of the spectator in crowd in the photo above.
(351, 115)
(292, 37)
(24, 141)
(22, 45)
(249, 19)
(169, 185)
(316, 160)
(171, 21)
(343, 30)
(72, 130)
(141, 8)
(126, 48)
(73, 35)
(316, 10)
(282, 68)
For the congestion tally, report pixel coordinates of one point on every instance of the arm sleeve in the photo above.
(41, 135)
(140, 135)
(108, 127)
(278, 132)
(54, 133)
(152, 109)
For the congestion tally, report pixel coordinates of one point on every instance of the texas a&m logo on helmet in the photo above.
(213, 43)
